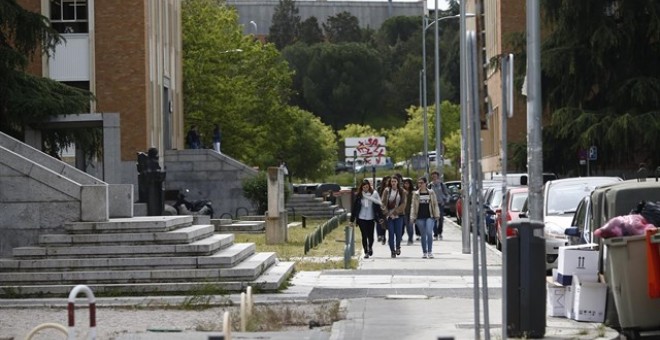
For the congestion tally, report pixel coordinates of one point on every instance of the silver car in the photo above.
(560, 200)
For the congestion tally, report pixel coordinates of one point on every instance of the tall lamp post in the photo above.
(439, 158)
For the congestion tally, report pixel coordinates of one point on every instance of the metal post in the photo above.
(424, 103)
(464, 132)
(505, 113)
(438, 122)
(534, 113)
(354, 174)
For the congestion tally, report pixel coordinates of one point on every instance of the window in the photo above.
(69, 16)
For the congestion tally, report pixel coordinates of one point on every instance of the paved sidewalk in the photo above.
(401, 298)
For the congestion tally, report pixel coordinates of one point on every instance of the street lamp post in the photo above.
(439, 158)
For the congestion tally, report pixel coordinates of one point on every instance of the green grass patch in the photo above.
(327, 255)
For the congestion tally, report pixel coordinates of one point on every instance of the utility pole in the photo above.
(534, 113)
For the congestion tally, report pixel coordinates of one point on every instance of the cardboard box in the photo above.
(589, 300)
(577, 260)
(568, 302)
(555, 299)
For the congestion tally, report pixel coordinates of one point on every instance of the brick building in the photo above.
(128, 54)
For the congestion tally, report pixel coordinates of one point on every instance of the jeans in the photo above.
(367, 230)
(395, 230)
(437, 230)
(410, 228)
(426, 229)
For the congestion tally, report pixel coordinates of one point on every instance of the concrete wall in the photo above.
(211, 176)
(369, 13)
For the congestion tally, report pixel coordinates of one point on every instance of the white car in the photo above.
(560, 200)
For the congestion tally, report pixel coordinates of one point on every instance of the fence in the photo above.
(315, 238)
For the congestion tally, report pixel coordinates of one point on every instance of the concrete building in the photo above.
(128, 54)
(256, 15)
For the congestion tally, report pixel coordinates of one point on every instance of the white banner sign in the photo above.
(371, 150)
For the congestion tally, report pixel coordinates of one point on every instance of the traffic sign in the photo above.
(593, 153)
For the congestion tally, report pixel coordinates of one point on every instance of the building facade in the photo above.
(128, 54)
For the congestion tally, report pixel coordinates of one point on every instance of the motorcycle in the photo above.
(198, 207)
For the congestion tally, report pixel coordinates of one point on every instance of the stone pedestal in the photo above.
(276, 217)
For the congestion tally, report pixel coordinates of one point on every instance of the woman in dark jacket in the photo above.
(366, 210)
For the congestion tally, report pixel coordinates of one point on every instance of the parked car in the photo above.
(606, 202)
(560, 201)
(388, 165)
(342, 167)
(514, 199)
(519, 178)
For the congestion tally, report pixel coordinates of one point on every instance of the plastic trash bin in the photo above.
(627, 277)
(526, 280)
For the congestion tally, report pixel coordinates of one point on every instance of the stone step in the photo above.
(182, 235)
(248, 269)
(205, 246)
(142, 224)
(269, 281)
(242, 228)
(227, 257)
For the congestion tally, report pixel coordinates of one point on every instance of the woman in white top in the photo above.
(424, 211)
(366, 210)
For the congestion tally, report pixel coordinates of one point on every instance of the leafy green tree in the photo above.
(341, 83)
(25, 98)
(234, 81)
(285, 25)
(602, 79)
(311, 152)
(310, 31)
(343, 27)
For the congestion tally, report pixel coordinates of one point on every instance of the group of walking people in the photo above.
(399, 205)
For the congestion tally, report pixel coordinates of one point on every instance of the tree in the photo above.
(602, 80)
(343, 27)
(310, 31)
(234, 81)
(341, 83)
(285, 25)
(25, 98)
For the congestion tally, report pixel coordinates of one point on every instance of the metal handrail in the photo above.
(247, 212)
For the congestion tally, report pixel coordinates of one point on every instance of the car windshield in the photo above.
(496, 200)
(518, 201)
(565, 198)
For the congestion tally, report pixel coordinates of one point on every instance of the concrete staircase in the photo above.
(136, 256)
(311, 206)
(246, 225)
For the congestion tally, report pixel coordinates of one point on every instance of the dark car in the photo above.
(342, 167)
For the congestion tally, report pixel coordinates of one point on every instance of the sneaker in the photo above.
(383, 241)
(440, 237)
(430, 255)
(366, 256)
(410, 242)
(418, 238)
(398, 251)
(371, 252)
(424, 256)
(393, 255)
(435, 237)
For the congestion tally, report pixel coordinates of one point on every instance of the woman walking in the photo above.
(409, 187)
(366, 210)
(382, 227)
(394, 208)
(424, 211)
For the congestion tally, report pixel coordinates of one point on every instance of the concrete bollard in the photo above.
(226, 326)
(243, 320)
(250, 302)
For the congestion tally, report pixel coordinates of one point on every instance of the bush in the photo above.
(255, 189)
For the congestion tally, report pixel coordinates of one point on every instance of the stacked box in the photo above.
(577, 260)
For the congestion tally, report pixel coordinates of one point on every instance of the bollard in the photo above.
(226, 326)
(56, 326)
(249, 301)
(304, 221)
(92, 311)
(243, 321)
